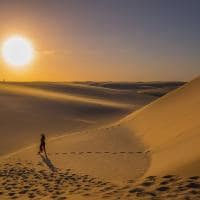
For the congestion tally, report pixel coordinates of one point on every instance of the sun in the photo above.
(17, 51)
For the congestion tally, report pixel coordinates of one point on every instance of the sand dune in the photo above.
(170, 128)
(150, 154)
(94, 92)
(28, 109)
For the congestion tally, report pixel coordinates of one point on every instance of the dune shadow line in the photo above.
(49, 163)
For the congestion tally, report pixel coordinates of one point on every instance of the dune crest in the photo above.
(170, 128)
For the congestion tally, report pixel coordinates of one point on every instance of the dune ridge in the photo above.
(169, 127)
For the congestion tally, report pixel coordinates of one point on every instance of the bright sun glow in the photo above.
(17, 51)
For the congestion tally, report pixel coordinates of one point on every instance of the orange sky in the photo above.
(103, 41)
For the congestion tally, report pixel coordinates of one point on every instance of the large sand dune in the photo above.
(170, 128)
(150, 154)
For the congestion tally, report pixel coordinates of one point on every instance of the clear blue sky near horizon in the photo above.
(101, 40)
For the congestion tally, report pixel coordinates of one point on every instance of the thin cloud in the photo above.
(46, 52)
(54, 52)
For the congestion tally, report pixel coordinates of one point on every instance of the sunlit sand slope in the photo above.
(170, 128)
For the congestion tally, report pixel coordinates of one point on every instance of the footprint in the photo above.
(40, 164)
(61, 198)
(148, 151)
(164, 183)
(86, 194)
(168, 176)
(14, 197)
(136, 190)
(193, 185)
(130, 181)
(153, 194)
(163, 189)
(151, 178)
(147, 183)
(11, 193)
(194, 177)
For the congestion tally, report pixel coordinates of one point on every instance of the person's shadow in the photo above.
(48, 162)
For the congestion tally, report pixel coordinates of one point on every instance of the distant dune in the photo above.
(157, 89)
(29, 109)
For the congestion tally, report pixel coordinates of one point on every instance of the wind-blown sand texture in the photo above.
(152, 153)
(28, 109)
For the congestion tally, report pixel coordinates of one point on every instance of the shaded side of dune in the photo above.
(27, 110)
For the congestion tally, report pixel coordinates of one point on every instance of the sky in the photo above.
(104, 40)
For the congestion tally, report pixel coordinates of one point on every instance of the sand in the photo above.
(151, 153)
(170, 128)
(29, 109)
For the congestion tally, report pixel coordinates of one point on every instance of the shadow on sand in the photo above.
(48, 162)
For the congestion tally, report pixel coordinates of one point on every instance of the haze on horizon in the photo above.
(116, 40)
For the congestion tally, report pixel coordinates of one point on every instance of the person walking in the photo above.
(42, 145)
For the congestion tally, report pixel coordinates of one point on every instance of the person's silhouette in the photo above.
(42, 145)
